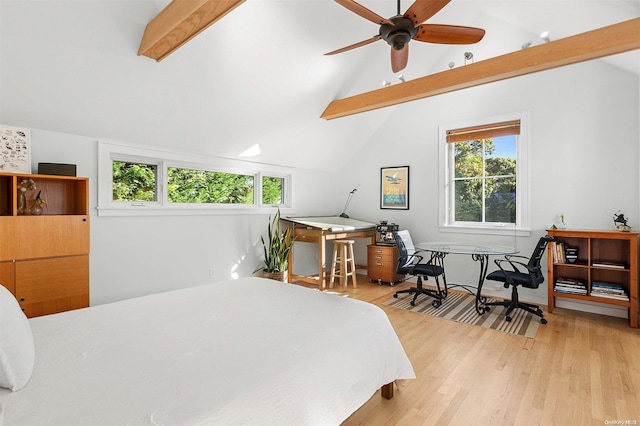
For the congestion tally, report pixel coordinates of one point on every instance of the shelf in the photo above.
(63, 195)
(615, 247)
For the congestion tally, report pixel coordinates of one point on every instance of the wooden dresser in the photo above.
(44, 256)
(382, 262)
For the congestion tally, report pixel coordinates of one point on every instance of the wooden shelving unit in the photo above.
(44, 259)
(602, 257)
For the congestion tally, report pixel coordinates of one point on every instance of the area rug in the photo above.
(460, 307)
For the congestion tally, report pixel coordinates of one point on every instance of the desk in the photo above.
(320, 229)
(479, 253)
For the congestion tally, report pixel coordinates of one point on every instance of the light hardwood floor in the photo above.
(581, 369)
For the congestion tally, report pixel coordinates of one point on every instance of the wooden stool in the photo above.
(343, 258)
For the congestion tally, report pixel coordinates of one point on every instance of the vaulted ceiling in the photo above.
(257, 76)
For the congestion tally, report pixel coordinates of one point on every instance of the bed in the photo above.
(249, 351)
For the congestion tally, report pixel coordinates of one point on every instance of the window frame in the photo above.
(113, 151)
(447, 222)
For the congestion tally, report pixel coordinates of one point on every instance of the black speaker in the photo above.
(57, 169)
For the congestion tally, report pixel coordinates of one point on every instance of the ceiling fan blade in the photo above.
(359, 9)
(399, 58)
(355, 45)
(421, 10)
(448, 34)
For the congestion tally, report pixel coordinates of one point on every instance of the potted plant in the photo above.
(276, 250)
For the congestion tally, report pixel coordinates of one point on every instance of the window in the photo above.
(484, 181)
(202, 186)
(272, 190)
(135, 181)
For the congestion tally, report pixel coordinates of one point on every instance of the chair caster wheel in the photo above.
(395, 296)
(487, 308)
(539, 311)
(392, 284)
(436, 303)
(543, 320)
(413, 303)
(508, 319)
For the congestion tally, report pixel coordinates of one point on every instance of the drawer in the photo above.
(381, 257)
(377, 264)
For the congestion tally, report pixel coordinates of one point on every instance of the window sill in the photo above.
(486, 230)
(154, 210)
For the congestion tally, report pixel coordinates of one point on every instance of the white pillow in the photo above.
(17, 351)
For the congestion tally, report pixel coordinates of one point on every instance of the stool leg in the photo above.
(333, 265)
(343, 267)
(353, 267)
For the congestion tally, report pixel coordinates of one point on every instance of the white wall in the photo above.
(584, 147)
(134, 256)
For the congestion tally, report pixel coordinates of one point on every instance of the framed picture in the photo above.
(394, 188)
(15, 150)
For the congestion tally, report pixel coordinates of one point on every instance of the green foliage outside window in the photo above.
(272, 190)
(201, 186)
(484, 184)
(134, 181)
(137, 182)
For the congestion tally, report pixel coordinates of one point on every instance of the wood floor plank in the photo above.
(581, 369)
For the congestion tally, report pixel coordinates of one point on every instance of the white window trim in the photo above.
(109, 151)
(523, 192)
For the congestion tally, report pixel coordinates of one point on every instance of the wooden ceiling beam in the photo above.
(606, 41)
(179, 22)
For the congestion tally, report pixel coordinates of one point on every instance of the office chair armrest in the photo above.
(411, 258)
(514, 266)
(513, 263)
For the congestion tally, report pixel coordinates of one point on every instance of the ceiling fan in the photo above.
(398, 30)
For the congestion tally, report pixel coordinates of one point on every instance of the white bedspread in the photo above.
(252, 351)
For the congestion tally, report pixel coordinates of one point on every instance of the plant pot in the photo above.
(278, 276)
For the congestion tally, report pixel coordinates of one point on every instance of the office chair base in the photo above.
(419, 289)
(515, 304)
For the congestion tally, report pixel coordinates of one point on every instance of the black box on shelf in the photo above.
(571, 254)
(57, 169)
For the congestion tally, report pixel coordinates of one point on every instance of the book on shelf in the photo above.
(608, 265)
(608, 286)
(558, 252)
(570, 290)
(570, 285)
(608, 290)
(564, 254)
(622, 297)
(570, 282)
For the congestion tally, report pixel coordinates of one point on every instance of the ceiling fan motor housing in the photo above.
(399, 34)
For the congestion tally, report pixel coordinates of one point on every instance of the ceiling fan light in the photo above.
(398, 39)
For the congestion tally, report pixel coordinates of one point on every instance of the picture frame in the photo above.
(15, 150)
(394, 188)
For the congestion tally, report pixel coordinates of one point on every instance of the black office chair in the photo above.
(516, 273)
(409, 263)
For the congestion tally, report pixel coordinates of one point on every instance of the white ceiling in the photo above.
(258, 76)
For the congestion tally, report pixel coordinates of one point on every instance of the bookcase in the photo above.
(44, 255)
(601, 266)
